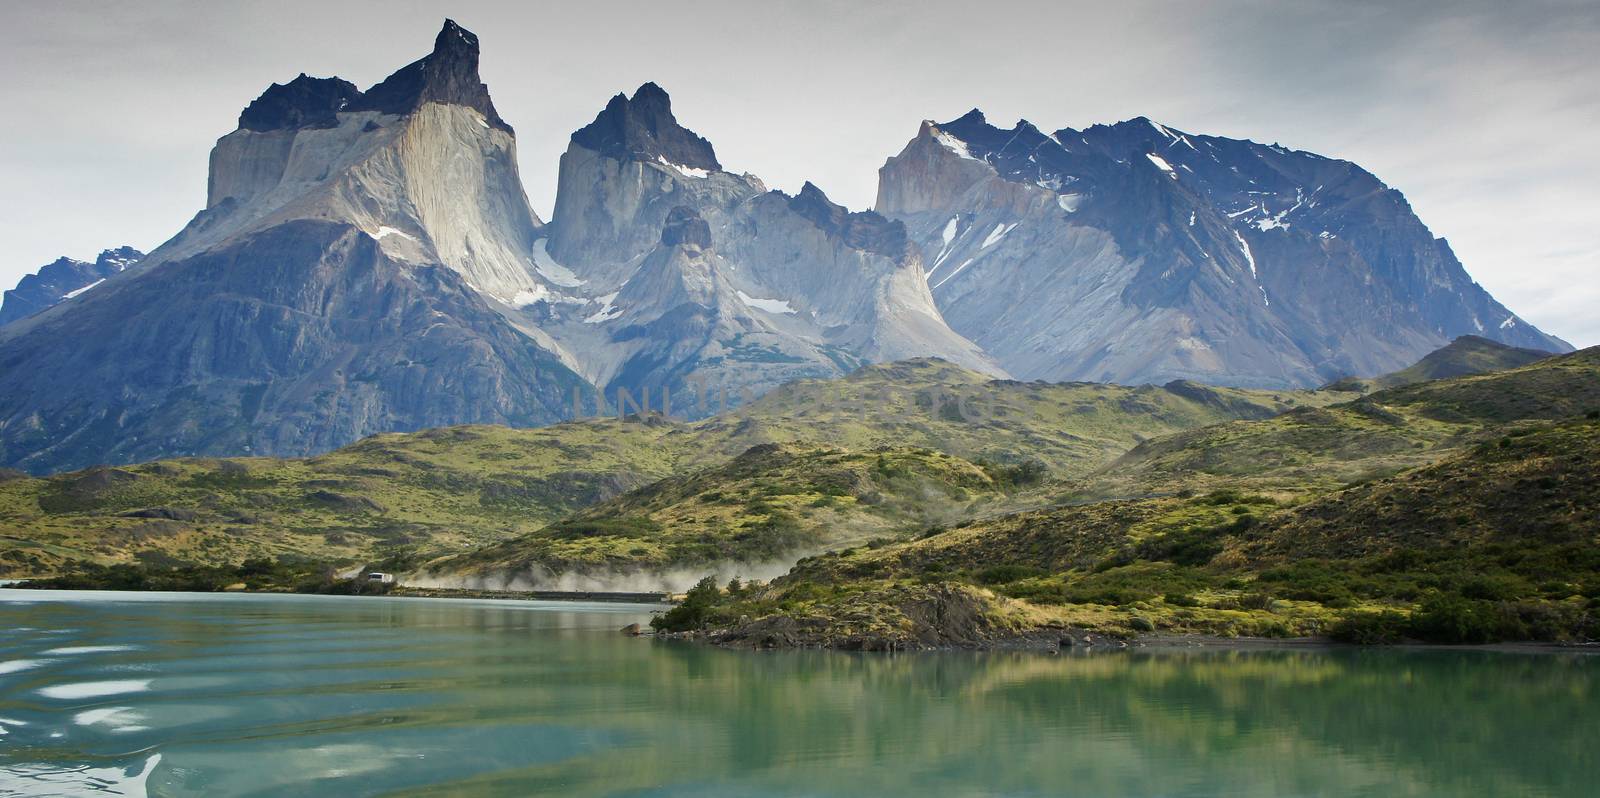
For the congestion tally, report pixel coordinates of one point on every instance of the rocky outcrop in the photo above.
(1138, 253)
(421, 162)
(358, 269)
(446, 76)
(295, 340)
(643, 128)
(683, 330)
(789, 286)
(895, 618)
(61, 280)
(302, 102)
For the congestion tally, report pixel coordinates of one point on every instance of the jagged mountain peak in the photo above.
(972, 117)
(447, 75)
(864, 230)
(642, 127)
(1206, 237)
(302, 102)
(62, 279)
(973, 136)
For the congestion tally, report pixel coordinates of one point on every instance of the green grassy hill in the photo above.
(411, 497)
(449, 489)
(1320, 448)
(1071, 428)
(1465, 356)
(1247, 529)
(767, 505)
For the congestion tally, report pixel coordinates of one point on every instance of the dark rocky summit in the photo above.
(448, 75)
(643, 127)
(863, 230)
(302, 102)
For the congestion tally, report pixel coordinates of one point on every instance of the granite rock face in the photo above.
(1137, 253)
(787, 286)
(367, 261)
(295, 340)
(357, 269)
(63, 279)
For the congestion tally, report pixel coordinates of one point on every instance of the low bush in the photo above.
(1004, 574)
(694, 611)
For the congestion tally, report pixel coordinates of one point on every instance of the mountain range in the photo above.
(368, 261)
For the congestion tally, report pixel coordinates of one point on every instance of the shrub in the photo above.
(1369, 628)
(1448, 618)
(695, 610)
(1192, 546)
(1491, 588)
(1004, 574)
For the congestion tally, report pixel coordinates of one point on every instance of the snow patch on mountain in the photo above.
(76, 292)
(953, 144)
(608, 309)
(768, 305)
(997, 233)
(1249, 257)
(549, 269)
(1161, 163)
(686, 171)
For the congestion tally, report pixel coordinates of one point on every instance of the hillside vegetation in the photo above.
(404, 499)
(1310, 450)
(766, 506)
(1469, 354)
(1247, 529)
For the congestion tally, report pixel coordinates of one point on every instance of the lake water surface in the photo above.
(185, 694)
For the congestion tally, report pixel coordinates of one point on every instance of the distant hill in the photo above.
(752, 517)
(367, 261)
(1469, 354)
(419, 495)
(1486, 530)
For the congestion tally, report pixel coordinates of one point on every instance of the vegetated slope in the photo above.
(1536, 486)
(1376, 435)
(1498, 542)
(765, 507)
(387, 496)
(1499, 538)
(1467, 355)
(1071, 428)
(449, 490)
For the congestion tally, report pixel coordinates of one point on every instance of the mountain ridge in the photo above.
(1199, 257)
(1131, 253)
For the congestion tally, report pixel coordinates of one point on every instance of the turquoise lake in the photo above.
(221, 695)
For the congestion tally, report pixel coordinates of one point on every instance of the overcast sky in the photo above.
(1484, 113)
